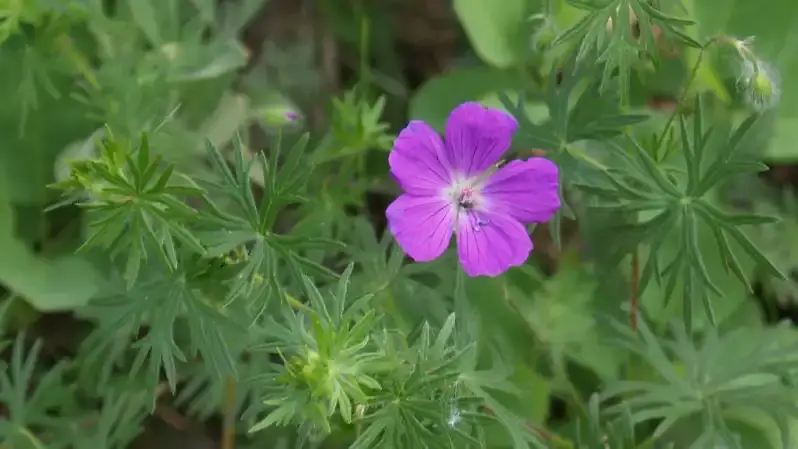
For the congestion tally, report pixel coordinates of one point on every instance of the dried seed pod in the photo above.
(635, 25)
(666, 48)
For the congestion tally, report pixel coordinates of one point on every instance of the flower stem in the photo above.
(680, 104)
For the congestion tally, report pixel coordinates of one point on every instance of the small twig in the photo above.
(167, 413)
(171, 416)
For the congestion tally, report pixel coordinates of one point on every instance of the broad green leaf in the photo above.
(29, 152)
(435, 99)
(62, 283)
(145, 16)
(535, 390)
(489, 297)
(494, 29)
(537, 112)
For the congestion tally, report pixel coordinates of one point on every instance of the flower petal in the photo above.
(418, 160)
(526, 190)
(422, 225)
(477, 136)
(492, 246)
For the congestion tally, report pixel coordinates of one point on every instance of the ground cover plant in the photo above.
(557, 224)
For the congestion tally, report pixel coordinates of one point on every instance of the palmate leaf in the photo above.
(778, 240)
(249, 230)
(135, 206)
(595, 431)
(119, 421)
(329, 359)
(576, 109)
(149, 318)
(747, 368)
(29, 397)
(204, 393)
(677, 204)
(577, 112)
(437, 397)
(619, 34)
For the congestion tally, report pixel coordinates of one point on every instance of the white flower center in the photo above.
(467, 202)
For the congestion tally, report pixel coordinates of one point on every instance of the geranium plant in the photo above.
(571, 238)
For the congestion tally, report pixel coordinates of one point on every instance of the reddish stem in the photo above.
(635, 290)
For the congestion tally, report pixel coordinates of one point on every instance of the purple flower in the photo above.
(455, 187)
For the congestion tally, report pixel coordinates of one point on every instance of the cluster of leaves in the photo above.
(255, 285)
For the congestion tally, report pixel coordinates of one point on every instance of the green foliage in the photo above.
(665, 207)
(216, 229)
(494, 30)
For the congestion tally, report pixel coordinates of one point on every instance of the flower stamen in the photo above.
(466, 198)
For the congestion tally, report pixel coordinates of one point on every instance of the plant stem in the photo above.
(633, 300)
(680, 104)
(229, 429)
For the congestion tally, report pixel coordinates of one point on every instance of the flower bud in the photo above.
(763, 85)
(760, 84)
(742, 46)
(278, 115)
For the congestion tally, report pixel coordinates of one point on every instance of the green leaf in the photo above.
(652, 298)
(29, 152)
(489, 298)
(559, 314)
(535, 390)
(230, 115)
(57, 284)
(435, 99)
(206, 9)
(776, 42)
(537, 112)
(494, 29)
(146, 18)
(707, 76)
(209, 62)
(757, 429)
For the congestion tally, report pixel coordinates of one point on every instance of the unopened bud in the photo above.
(763, 85)
(760, 84)
(278, 116)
